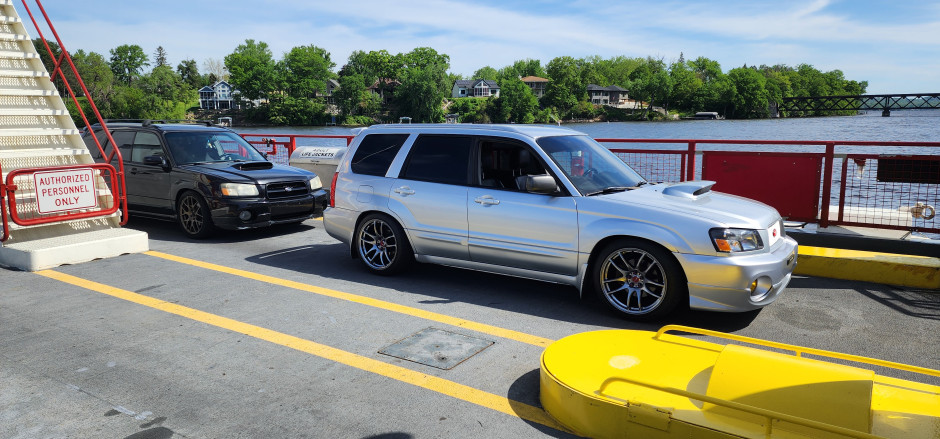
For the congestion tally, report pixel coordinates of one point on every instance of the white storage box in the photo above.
(322, 160)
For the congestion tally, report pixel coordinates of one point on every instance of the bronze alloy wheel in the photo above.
(382, 245)
(638, 280)
(194, 216)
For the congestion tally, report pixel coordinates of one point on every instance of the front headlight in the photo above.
(315, 183)
(239, 190)
(735, 240)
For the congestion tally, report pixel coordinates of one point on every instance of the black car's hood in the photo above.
(259, 171)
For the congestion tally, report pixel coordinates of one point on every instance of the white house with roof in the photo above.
(475, 88)
(218, 96)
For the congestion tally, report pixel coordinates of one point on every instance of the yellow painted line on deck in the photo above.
(398, 373)
(389, 306)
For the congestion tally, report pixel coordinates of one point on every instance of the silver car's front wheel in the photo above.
(638, 280)
(382, 245)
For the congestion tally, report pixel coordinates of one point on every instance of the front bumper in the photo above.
(264, 212)
(722, 283)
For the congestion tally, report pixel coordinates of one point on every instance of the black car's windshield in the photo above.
(208, 147)
(590, 167)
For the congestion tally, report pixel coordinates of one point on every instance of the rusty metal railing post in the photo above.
(827, 184)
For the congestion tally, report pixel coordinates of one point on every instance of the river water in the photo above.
(903, 125)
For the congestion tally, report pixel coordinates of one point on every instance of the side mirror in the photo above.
(156, 160)
(540, 184)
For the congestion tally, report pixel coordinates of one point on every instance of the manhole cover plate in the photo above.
(437, 348)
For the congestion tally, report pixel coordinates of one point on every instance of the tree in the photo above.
(215, 68)
(421, 93)
(159, 57)
(651, 83)
(189, 73)
(349, 97)
(486, 72)
(97, 76)
(565, 88)
(518, 102)
(685, 85)
(750, 95)
(306, 70)
(252, 69)
(523, 68)
(127, 62)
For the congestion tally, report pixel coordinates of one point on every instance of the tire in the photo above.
(382, 246)
(638, 280)
(193, 216)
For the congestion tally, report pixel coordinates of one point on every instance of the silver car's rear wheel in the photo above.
(638, 280)
(382, 245)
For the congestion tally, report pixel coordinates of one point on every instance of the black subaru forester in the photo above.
(206, 177)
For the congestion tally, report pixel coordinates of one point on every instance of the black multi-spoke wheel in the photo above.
(193, 216)
(638, 280)
(382, 245)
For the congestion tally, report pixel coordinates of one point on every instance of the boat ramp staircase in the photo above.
(57, 205)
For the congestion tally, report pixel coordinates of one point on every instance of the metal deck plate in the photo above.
(437, 348)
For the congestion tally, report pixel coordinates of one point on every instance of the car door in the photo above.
(511, 227)
(147, 185)
(430, 195)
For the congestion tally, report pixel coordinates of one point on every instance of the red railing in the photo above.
(814, 181)
(279, 147)
(896, 190)
(117, 190)
(66, 201)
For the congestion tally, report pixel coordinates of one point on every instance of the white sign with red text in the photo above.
(58, 191)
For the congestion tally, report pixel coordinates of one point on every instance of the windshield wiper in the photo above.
(607, 190)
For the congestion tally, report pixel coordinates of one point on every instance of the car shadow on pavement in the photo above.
(453, 285)
(169, 231)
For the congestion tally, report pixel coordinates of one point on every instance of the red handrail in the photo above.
(9, 190)
(120, 188)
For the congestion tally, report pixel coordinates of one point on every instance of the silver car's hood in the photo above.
(693, 199)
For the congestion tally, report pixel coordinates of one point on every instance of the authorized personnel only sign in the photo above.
(58, 191)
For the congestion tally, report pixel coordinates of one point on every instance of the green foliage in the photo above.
(351, 94)
(252, 69)
(486, 73)
(159, 57)
(305, 70)
(565, 88)
(750, 93)
(517, 102)
(423, 85)
(189, 73)
(127, 62)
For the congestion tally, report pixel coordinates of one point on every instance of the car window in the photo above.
(210, 147)
(93, 147)
(124, 140)
(589, 166)
(505, 165)
(439, 159)
(376, 152)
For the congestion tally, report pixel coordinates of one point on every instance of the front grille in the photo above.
(288, 189)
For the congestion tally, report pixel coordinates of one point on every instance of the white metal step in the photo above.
(16, 132)
(23, 73)
(6, 2)
(32, 112)
(4, 36)
(26, 92)
(5, 19)
(40, 152)
(13, 54)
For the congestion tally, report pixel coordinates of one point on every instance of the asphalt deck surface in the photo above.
(277, 333)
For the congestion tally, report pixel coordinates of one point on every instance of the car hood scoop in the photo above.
(253, 166)
(689, 189)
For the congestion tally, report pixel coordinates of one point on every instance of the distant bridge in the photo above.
(798, 106)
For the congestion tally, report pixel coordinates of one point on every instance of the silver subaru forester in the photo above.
(551, 204)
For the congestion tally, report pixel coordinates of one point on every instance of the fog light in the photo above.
(244, 215)
(760, 288)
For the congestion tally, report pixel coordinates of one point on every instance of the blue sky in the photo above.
(894, 45)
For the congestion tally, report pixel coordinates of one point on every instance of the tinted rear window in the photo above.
(376, 153)
(439, 159)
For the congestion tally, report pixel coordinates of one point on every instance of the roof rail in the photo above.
(149, 122)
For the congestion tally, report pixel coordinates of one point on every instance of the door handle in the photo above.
(486, 200)
(404, 190)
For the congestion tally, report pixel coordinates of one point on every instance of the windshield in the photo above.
(209, 147)
(590, 167)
